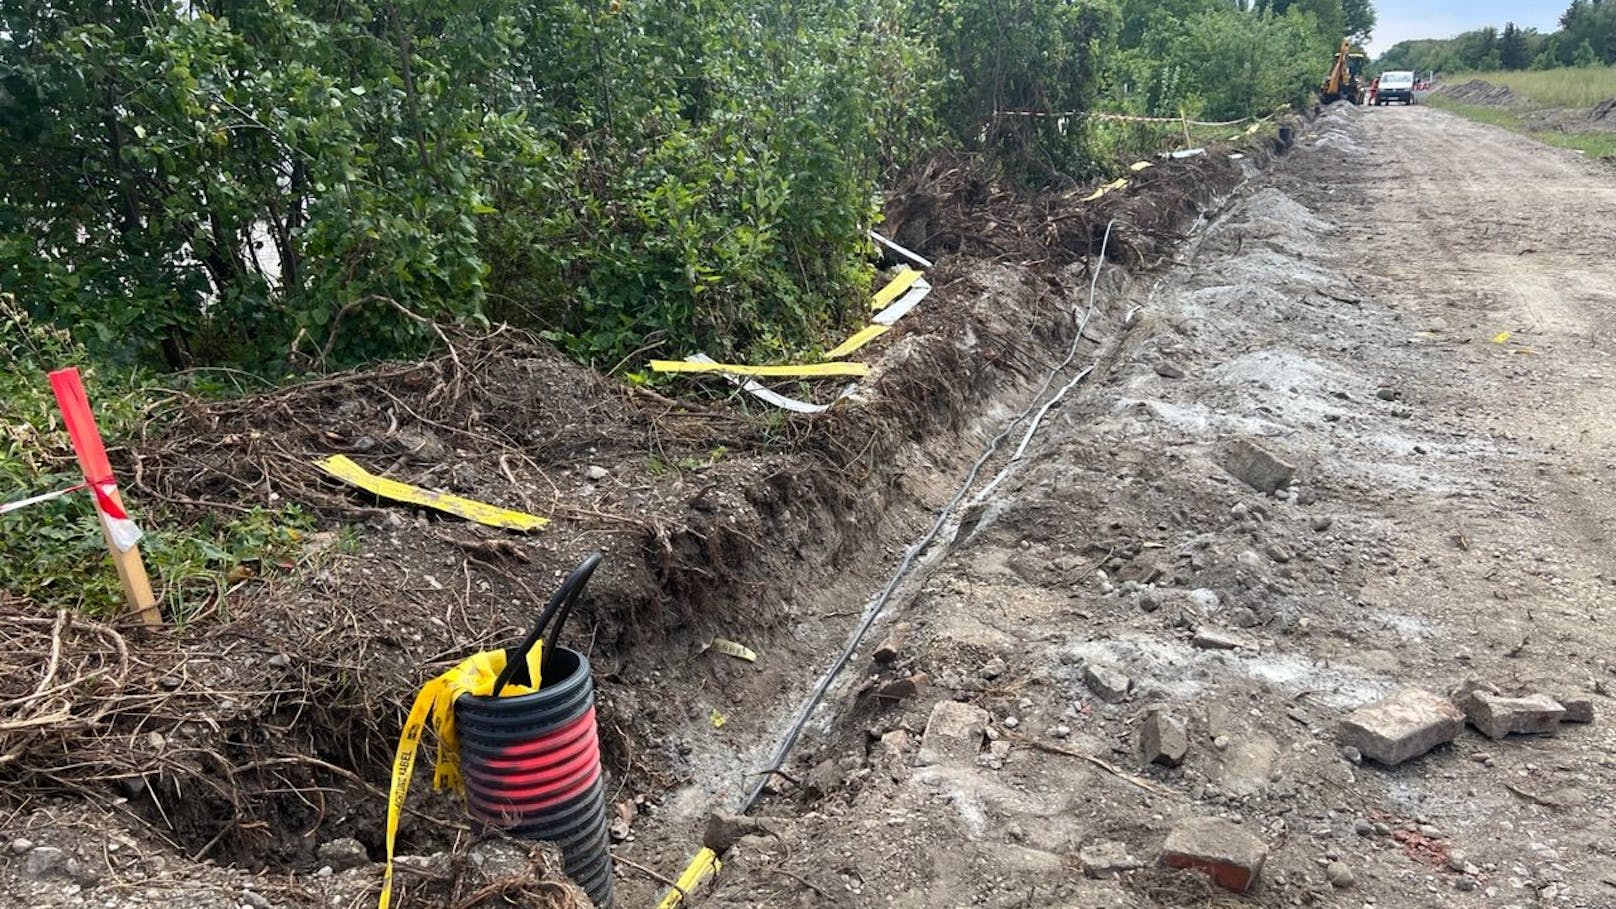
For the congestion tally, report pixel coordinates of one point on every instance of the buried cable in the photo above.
(874, 609)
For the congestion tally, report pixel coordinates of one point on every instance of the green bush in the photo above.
(301, 184)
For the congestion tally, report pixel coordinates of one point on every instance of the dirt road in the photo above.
(1417, 312)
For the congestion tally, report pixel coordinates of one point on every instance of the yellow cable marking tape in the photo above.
(895, 288)
(805, 369)
(1253, 128)
(863, 337)
(704, 865)
(473, 675)
(730, 648)
(1113, 185)
(1140, 165)
(1501, 337)
(346, 470)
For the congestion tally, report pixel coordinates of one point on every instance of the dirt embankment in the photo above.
(1479, 91)
(242, 750)
(1601, 117)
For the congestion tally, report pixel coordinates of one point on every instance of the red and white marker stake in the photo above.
(121, 533)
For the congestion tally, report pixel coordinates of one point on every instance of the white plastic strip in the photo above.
(903, 304)
(758, 390)
(35, 500)
(909, 254)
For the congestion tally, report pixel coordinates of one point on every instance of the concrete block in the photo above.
(1256, 467)
(1497, 716)
(1401, 726)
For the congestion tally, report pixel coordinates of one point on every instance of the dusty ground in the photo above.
(1452, 518)
(1342, 310)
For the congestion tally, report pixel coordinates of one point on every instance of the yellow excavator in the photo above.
(1342, 84)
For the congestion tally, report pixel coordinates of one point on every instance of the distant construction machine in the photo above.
(1343, 83)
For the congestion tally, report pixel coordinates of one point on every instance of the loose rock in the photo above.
(1577, 710)
(44, 862)
(953, 734)
(1169, 370)
(1495, 716)
(1339, 875)
(1256, 467)
(343, 853)
(888, 649)
(596, 473)
(1107, 858)
(1108, 682)
(1401, 726)
(1164, 739)
(1230, 854)
(1209, 638)
(724, 830)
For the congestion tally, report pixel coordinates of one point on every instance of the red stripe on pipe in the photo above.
(540, 778)
(517, 755)
(506, 810)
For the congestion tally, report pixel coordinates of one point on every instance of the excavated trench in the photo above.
(253, 741)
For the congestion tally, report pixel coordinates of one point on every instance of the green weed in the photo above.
(1583, 86)
(54, 552)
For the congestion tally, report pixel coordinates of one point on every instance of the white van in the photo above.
(1397, 85)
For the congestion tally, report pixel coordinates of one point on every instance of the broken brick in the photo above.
(1225, 851)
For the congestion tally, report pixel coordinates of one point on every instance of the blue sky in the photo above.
(1400, 21)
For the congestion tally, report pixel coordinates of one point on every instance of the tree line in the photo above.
(1586, 37)
(298, 184)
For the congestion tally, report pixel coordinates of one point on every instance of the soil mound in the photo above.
(1479, 91)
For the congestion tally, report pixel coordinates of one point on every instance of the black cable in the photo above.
(789, 740)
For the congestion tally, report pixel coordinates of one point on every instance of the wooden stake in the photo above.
(1184, 116)
(92, 455)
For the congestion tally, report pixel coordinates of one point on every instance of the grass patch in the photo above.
(1567, 87)
(1592, 144)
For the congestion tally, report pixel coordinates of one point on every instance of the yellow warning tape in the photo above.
(1140, 165)
(895, 288)
(863, 337)
(1116, 184)
(346, 470)
(704, 865)
(730, 648)
(474, 675)
(804, 369)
